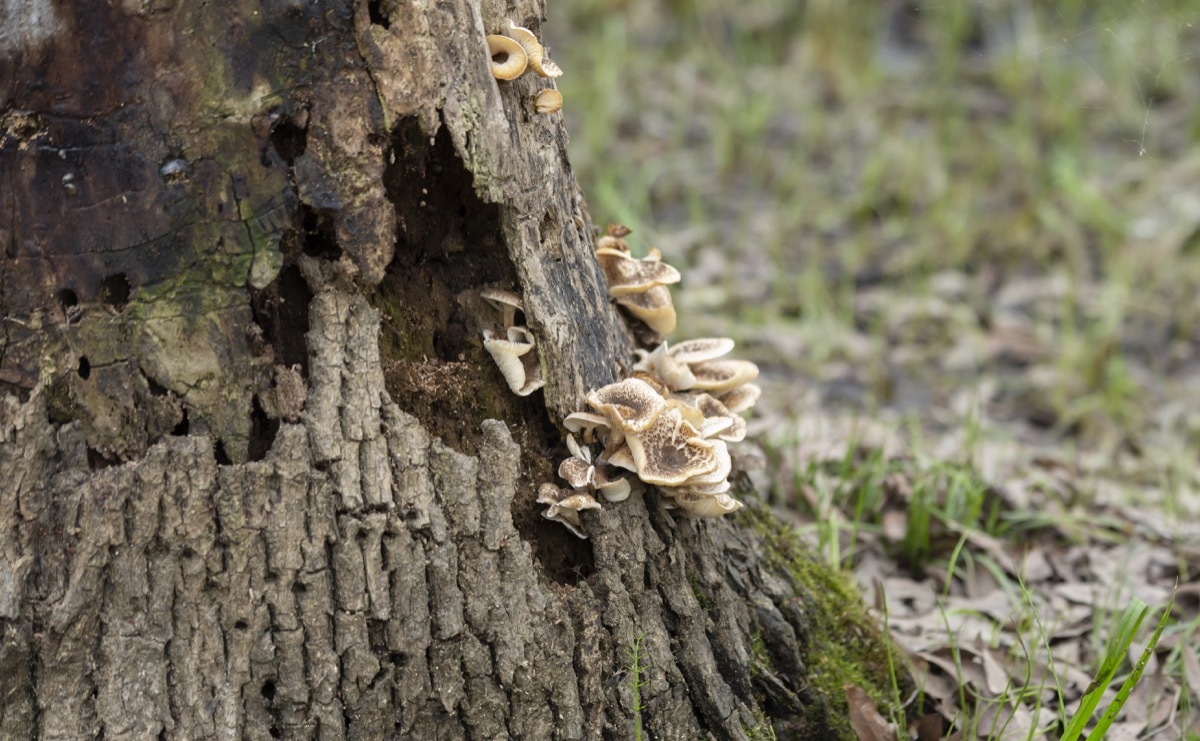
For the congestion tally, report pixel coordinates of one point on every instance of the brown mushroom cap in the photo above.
(653, 307)
(741, 398)
(720, 471)
(578, 473)
(627, 275)
(533, 49)
(631, 404)
(723, 375)
(612, 243)
(664, 457)
(509, 59)
(565, 506)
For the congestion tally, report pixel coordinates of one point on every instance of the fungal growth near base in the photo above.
(669, 424)
(512, 345)
(517, 51)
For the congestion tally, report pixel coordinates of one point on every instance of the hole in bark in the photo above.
(181, 429)
(98, 460)
(156, 389)
(448, 244)
(114, 291)
(222, 457)
(262, 432)
(268, 690)
(320, 239)
(67, 298)
(289, 140)
(298, 587)
(187, 552)
(377, 15)
(241, 625)
(281, 311)
(85, 367)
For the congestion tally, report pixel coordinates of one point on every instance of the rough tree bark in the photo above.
(258, 477)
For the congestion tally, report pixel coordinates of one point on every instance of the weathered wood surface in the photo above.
(216, 517)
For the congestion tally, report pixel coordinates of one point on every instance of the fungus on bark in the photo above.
(509, 60)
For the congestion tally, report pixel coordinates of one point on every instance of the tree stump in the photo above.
(260, 479)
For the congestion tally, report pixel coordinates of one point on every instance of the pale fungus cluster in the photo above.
(671, 438)
(517, 51)
(512, 345)
(638, 284)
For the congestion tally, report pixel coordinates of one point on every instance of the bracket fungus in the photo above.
(638, 284)
(548, 101)
(538, 61)
(511, 345)
(509, 60)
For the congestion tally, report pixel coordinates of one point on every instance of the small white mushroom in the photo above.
(701, 349)
(517, 363)
(741, 398)
(716, 376)
(506, 302)
(565, 506)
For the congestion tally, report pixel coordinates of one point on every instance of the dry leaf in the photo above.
(865, 718)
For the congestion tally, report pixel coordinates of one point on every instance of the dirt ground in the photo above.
(963, 243)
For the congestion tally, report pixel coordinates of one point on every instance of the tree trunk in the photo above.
(259, 476)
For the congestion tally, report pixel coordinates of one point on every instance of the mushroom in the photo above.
(660, 363)
(723, 375)
(653, 308)
(565, 506)
(534, 51)
(590, 425)
(666, 455)
(517, 364)
(627, 275)
(741, 398)
(506, 302)
(578, 473)
(707, 506)
(631, 404)
(509, 59)
(548, 101)
(613, 490)
(701, 349)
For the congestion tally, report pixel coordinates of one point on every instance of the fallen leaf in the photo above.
(865, 719)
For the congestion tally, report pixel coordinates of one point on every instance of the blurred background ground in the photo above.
(962, 241)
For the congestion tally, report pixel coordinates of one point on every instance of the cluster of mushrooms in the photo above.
(639, 285)
(511, 344)
(669, 423)
(518, 50)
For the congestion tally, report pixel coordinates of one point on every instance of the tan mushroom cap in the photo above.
(659, 363)
(713, 410)
(741, 398)
(631, 404)
(509, 59)
(565, 506)
(622, 457)
(701, 349)
(520, 367)
(613, 490)
(627, 275)
(533, 49)
(614, 244)
(578, 473)
(707, 490)
(548, 101)
(653, 308)
(721, 470)
(706, 506)
(723, 375)
(666, 458)
(506, 302)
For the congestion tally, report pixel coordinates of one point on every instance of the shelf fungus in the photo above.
(509, 60)
(667, 431)
(538, 61)
(638, 284)
(548, 101)
(512, 345)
